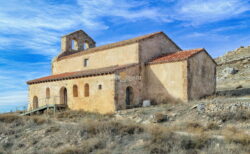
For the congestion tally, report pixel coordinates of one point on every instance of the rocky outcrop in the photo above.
(233, 70)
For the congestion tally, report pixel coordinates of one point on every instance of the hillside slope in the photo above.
(233, 69)
(215, 124)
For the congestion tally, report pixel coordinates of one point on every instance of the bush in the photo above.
(110, 127)
(241, 115)
(86, 147)
(39, 120)
(164, 140)
(9, 118)
(160, 117)
(194, 127)
(52, 130)
(79, 114)
(212, 126)
(234, 135)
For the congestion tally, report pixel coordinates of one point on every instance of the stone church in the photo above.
(122, 75)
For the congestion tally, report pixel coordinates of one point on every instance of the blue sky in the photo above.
(30, 31)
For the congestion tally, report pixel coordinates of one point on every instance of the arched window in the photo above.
(99, 86)
(86, 90)
(47, 93)
(74, 44)
(85, 45)
(75, 91)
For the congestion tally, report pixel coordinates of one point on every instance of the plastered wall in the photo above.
(115, 56)
(166, 82)
(101, 101)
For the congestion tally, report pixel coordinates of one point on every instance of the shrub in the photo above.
(79, 114)
(241, 115)
(160, 117)
(212, 126)
(9, 118)
(233, 135)
(86, 147)
(110, 127)
(52, 130)
(194, 127)
(39, 120)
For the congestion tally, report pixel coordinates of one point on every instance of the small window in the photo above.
(47, 93)
(86, 90)
(86, 62)
(99, 86)
(75, 91)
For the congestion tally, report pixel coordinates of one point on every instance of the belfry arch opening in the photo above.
(74, 44)
(85, 45)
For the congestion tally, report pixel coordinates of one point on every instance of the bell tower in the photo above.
(75, 42)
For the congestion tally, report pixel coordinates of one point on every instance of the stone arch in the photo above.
(63, 96)
(86, 90)
(129, 96)
(47, 93)
(86, 45)
(35, 102)
(75, 91)
(74, 44)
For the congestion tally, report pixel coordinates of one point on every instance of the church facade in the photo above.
(121, 75)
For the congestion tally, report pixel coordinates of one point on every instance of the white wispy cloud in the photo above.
(13, 77)
(93, 11)
(201, 12)
(38, 25)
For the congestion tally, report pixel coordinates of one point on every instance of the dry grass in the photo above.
(72, 115)
(9, 118)
(110, 127)
(234, 135)
(93, 133)
(39, 120)
(88, 146)
(160, 117)
(241, 115)
(212, 126)
(165, 140)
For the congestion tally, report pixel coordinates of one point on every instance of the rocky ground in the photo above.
(216, 124)
(233, 71)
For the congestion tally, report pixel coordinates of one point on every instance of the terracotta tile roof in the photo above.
(177, 56)
(112, 45)
(81, 74)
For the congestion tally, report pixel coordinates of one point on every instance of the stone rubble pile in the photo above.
(222, 107)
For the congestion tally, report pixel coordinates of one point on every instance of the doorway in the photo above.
(35, 102)
(129, 96)
(63, 96)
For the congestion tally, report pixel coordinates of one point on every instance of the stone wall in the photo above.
(201, 76)
(99, 100)
(128, 78)
(156, 46)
